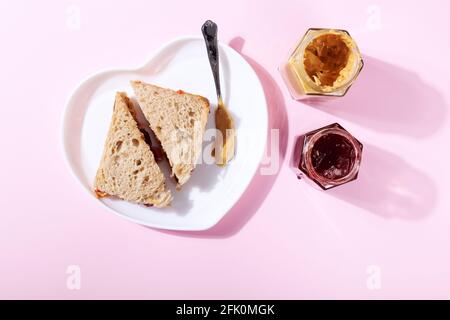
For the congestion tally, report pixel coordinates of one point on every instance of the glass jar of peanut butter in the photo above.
(324, 63)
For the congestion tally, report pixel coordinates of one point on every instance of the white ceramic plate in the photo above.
(180, 64)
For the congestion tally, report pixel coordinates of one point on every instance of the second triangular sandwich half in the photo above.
(128, 169)
(178, 120)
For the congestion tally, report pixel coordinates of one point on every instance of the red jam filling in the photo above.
(333, 156)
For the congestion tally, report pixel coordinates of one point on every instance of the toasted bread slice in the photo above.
(178, 120)
(128, 169)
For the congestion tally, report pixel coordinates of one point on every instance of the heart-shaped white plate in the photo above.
(180, 64)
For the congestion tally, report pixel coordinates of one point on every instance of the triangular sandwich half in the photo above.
(178, 120)
(128, 169)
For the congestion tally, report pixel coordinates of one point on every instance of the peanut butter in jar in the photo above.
(325, 62)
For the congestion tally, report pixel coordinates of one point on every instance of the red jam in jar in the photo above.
(329, 156)
(332, 156)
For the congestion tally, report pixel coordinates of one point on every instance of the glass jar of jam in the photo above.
(329, 156)
(324, 63)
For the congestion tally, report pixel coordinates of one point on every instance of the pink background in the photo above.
(283, 239)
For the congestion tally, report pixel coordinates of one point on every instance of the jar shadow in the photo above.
(390, 99)
(389, 187)
(267, 173)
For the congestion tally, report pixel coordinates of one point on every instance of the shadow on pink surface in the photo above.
(260, 185)
(389, 187)
(387, 98)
